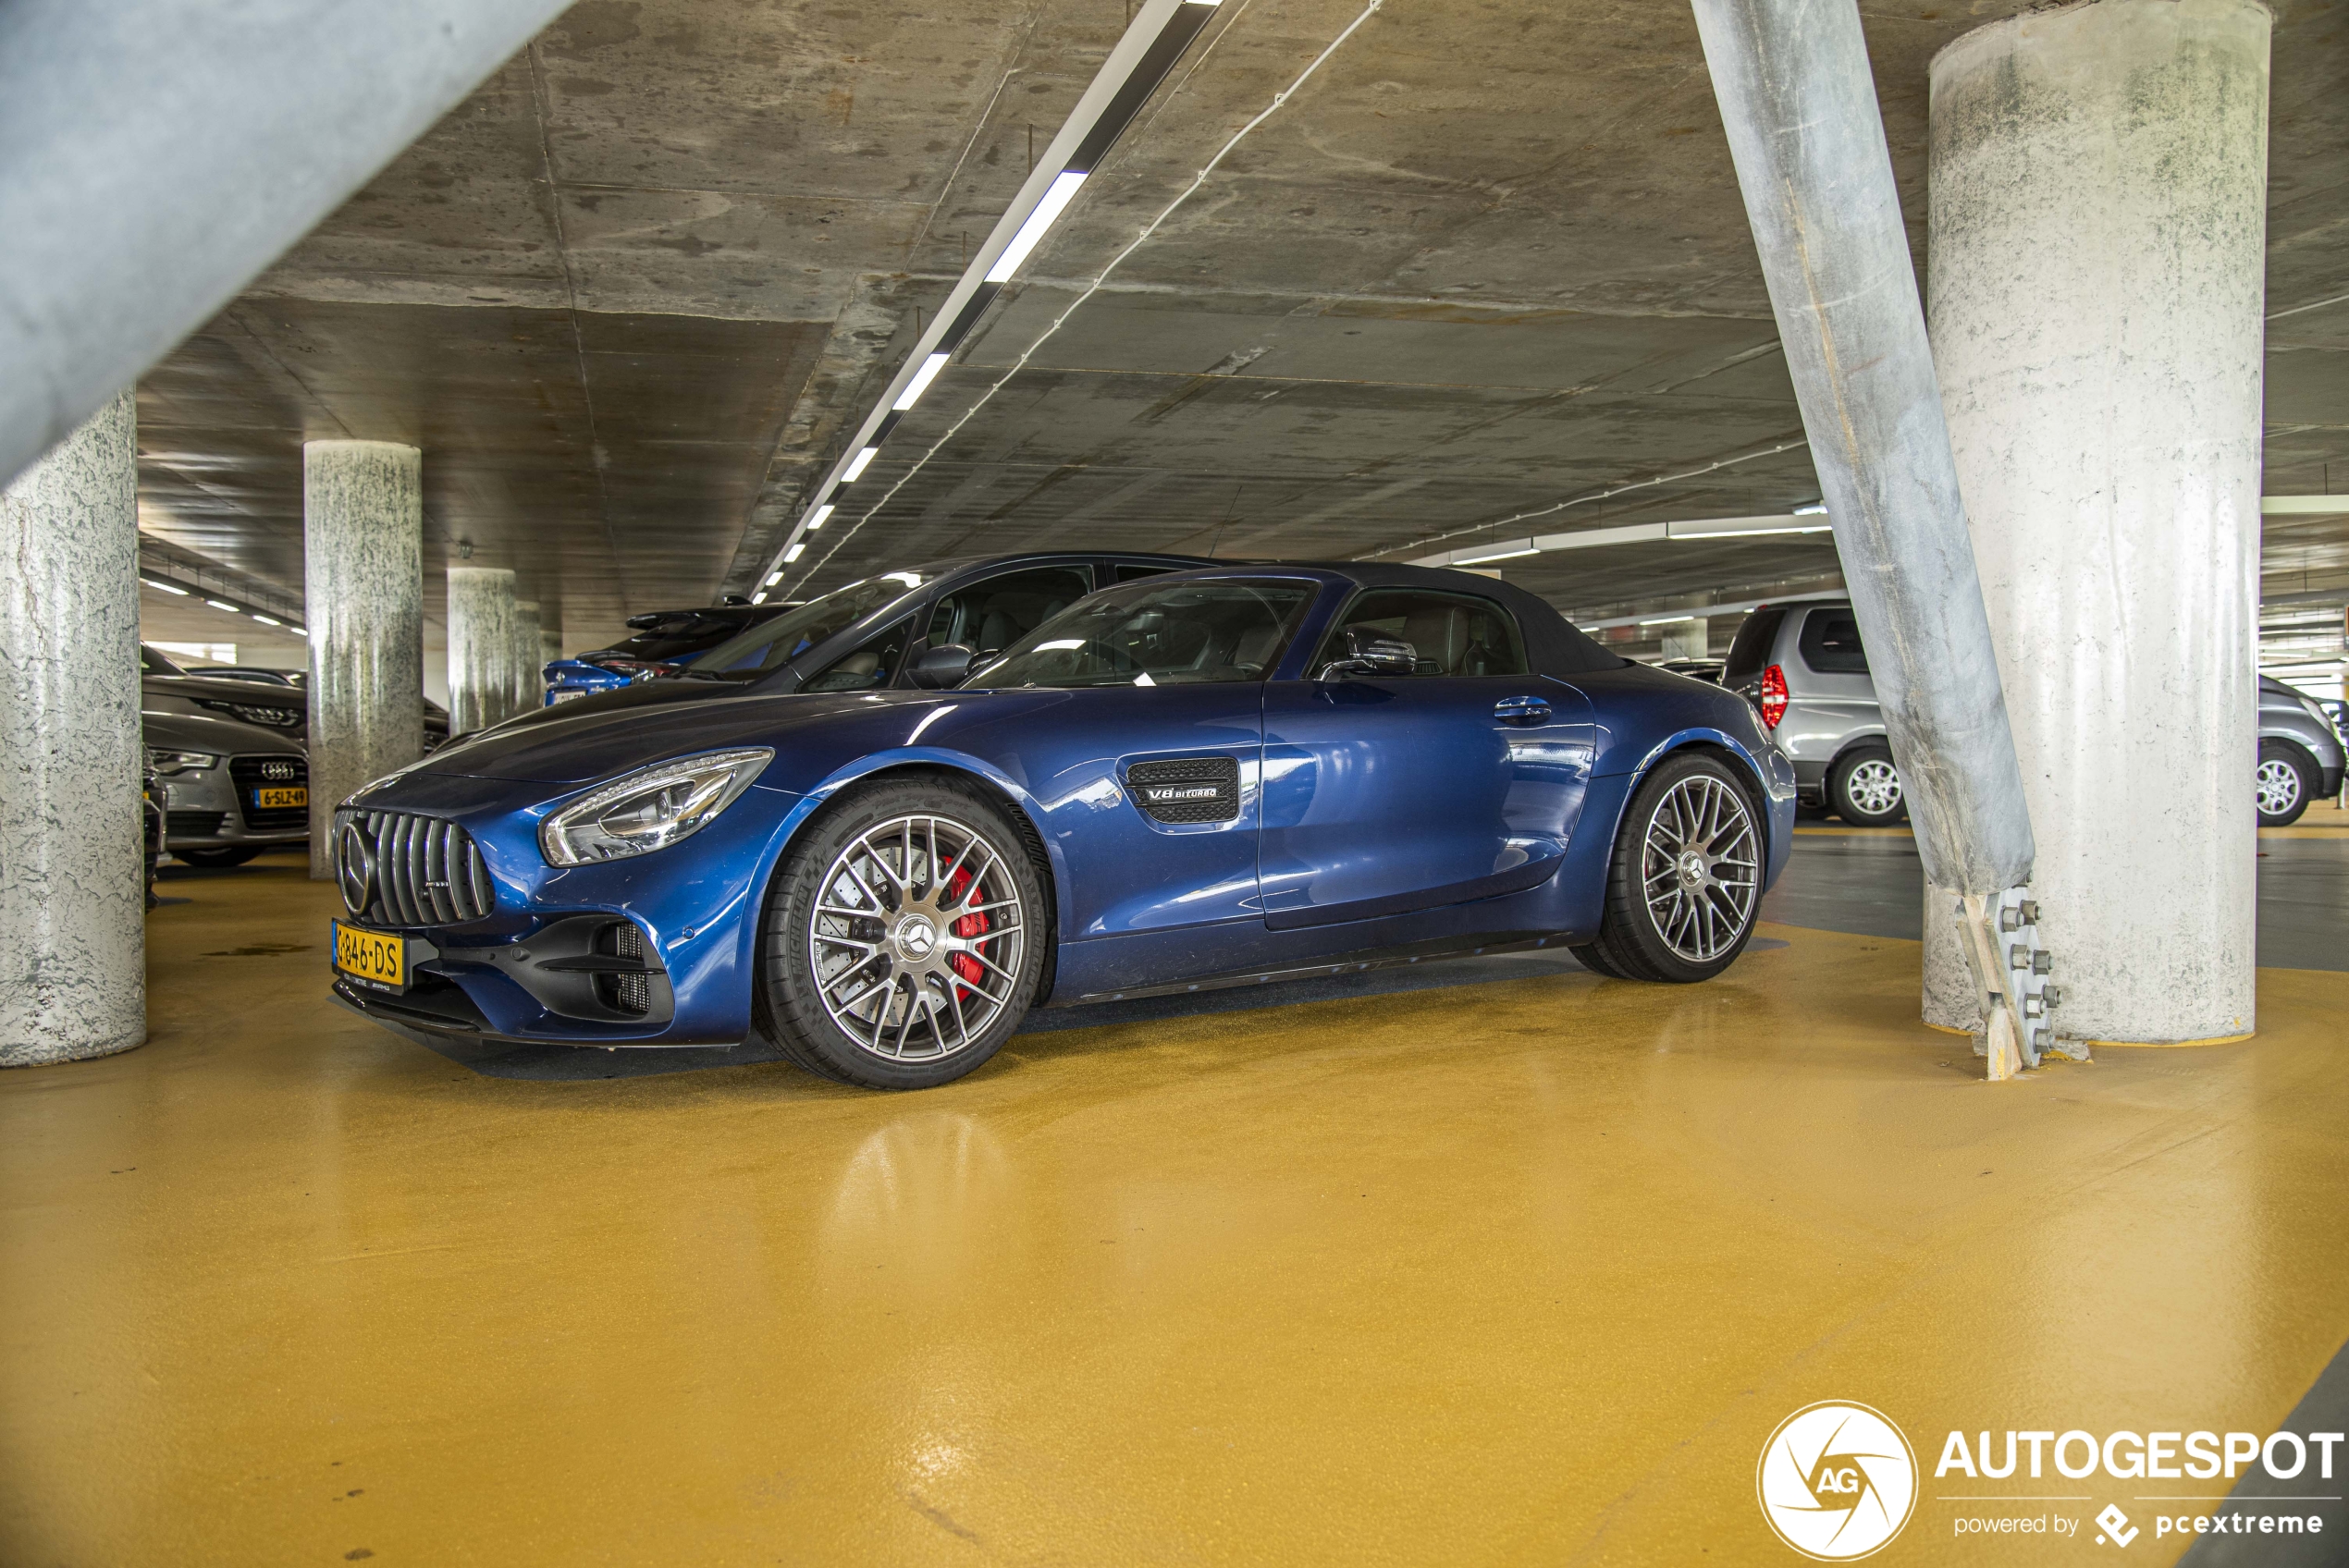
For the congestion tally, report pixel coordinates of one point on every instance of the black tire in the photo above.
(945, 819)
(1632, 943)
(2288, 780)
(219, 858)
(1863, 787)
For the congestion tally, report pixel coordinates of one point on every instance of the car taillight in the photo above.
(1773, 695)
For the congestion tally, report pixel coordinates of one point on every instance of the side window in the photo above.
(1133, 571)
(1831, 644)
(869, 666)
(1749, 654)
(1453, 633)
(989, 616)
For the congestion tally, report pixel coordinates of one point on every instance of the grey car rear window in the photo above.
(1831, 644)
(1749, 654)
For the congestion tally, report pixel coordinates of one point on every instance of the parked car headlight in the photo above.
(651, 808)
(170, 763)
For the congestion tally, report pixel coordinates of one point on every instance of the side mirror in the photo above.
(1369, 656)
(937, 667)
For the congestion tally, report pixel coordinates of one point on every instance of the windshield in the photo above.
(772, 644)
(1157, 635)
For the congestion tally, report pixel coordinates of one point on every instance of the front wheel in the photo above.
(2287, 782)
(906, 938)
(1685, 878)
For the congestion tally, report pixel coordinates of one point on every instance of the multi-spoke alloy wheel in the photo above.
(1863, 786)
(2278, 787)
(2288, 781)
(916, 938)
(1700, 868)
(903, 940)
(1686, 874)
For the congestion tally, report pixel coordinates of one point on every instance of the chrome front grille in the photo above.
(406, 870)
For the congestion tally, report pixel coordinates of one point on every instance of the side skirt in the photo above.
(1352, 963)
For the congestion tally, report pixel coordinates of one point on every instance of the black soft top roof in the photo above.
(1553, 643)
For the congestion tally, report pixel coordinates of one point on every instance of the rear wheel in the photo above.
(905, 940)
(1685, 879)
(213, 860)
(2288, 781)
(1864, 787)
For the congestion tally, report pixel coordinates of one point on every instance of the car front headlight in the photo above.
(167, 764)
(651, 808)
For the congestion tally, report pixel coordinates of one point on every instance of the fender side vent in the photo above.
(1187, 789)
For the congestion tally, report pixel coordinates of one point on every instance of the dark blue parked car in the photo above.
(1211, 778)
(666, 643)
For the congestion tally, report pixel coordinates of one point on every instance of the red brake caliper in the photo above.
(970, 925)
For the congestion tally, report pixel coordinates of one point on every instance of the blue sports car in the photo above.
(1208, 778)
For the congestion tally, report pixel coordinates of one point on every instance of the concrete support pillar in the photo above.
(530, 690)
(2098, 264)
(482, 647)
(73, 918)
(362, 574)
(551, 648)
(1687, 640)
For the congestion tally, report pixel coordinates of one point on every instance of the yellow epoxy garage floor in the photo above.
(1514, 1272)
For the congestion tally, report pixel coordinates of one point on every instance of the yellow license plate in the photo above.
(372, 956)
(288, 795)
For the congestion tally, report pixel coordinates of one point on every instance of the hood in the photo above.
(596, 737)
(225, 737)
(624, 698)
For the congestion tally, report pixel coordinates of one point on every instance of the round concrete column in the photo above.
(362, 572)
(2096, 269)
(529, 690)
(482, 647)
(73, 917)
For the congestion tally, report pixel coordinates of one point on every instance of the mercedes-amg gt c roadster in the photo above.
(1209, 778)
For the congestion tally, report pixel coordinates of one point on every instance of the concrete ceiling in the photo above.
(1491, 259)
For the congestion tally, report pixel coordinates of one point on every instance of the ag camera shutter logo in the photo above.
(1837, 1481)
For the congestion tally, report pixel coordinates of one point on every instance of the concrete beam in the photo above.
(156, 154)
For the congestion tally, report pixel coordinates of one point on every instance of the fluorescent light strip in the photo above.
(772, 578)
(267, 621)
(760, 597)
(920, 384)
(799, 548)
(1667, 619)
(815, 519)
(1157, 37)
(1494, 555)
(1047, 212)
(164, 587)
(217, 605)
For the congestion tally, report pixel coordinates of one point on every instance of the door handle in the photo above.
(1522, 710)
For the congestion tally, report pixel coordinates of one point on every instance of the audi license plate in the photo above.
(378, 960)
(281, 796)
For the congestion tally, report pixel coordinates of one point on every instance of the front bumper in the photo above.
(214, 808)
(678, 928)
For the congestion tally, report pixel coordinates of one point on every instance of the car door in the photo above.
(1385, 795)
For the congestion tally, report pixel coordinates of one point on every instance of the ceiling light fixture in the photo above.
(759, 597)
(1742, 527)
(1508, 555)
(772, 578)
(1155, 39)
(798, 548)
(164, 587)
(1056, 198)
(266, 621)
(815, 519)
(1811, 509)
(219, 604)
(1666, 619)
(920, 384)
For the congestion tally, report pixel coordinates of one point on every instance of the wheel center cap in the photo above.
(1692, 869)
(917, 938)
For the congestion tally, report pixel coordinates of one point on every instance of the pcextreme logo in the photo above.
(1836, 1480)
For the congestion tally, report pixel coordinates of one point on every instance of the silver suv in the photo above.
(1802, 665)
